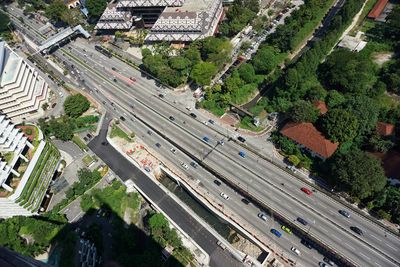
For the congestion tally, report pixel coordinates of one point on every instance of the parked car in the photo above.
(262, 216)
(345, 213)
(276, 232)
(302, 221)
(225, 196)
(307, 191)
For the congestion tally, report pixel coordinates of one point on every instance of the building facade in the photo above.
(25, 170)
(168, 20)
(22, 89)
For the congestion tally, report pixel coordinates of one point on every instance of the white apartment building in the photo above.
(22, 89)
(25, 170)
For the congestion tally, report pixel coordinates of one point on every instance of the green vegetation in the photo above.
(299, 25)
(16, 231)
(76, 105)
(87, 179)
(199, 63)
(247, 123)
(114, 197)
(118, 132)
(96, 7)
(87, 160)
(239, 14)
(78, 141)
(58, 12)
(304, 111)
(4, 22)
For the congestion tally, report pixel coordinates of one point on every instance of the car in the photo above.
(296, 250)
(345, 213)
(286, 229)
(189, 108)
(245, 201)
(115, 80)
(171, 118)
(206, 139)
(217, 182)
(149, 132)
(147, 169)
(193, 115)
(205, 122)
(161, 96)
(262, 216)
(276, 232)
(307, 191)
(323, 264)
(211, 121)
(241, 139)
(173, 150)
(113, 68)
(302, 221)
(194, 164)
(158, 145)
(122, 118)
(223, 195)
(242, 154)
(132, 79)
(306, 243)
(328, 261)
(53, 105)
(356, 230)
(184, 165)
(221, 142)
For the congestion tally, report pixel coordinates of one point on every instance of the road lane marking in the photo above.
(337, 238)
(392, 247)
(365, 256)
(377, 264)
(376, 237)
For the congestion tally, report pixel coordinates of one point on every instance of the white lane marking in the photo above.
(376, 237)
(392, 247)
(365, 256)
(351, 247)
(377, 264)
(334, 236)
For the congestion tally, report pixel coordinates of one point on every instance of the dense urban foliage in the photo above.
(76, 105)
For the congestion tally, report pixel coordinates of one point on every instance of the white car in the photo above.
(262, 216)
(225, 196)
(295, 250)
(173, 150)
(184, 165)
(205, 122)
(189, 108)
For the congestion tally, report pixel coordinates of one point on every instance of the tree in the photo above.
(339, 125)
(158, 222)
(377, 143)
(76, 105)
(193, 54)
(304, 111)
(96, 7)
(4, 20)
(359, 173)
(179, 63)
(55, 10)
(348, 72)
(334, 99)
(247, 73)
(265, 60)
(202, 73)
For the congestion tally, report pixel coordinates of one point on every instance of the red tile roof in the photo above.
(384, 129)
(307, 135)
(321, 106)
(378, 8)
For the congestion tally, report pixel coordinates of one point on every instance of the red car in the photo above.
(306, 190)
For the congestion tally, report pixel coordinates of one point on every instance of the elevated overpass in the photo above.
(61, 36)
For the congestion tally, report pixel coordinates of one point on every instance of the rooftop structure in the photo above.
(62, 35)
(22, 89)
(377, 9)
(25, 170)
(308, 137)
(321, 106)
(384, 129)
(353, 43)
(168, 20)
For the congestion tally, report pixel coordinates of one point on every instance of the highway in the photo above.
(258, 177)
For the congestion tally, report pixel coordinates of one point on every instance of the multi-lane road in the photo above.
(259, 178)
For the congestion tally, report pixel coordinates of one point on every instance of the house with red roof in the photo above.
(377, 10)
(321, 106)
(307, 137)
(384, 129)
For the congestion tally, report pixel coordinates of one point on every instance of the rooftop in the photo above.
(384, 129)
(307, 135)
(377, 9)
(321, 106)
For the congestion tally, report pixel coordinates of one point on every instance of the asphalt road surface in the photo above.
(125, 170)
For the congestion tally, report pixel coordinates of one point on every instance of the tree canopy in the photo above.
(359, 173)
(304, 111)
(348, 72)
(76, 105)
(202, 73)
(339, 125)
(96, 7)
(266, 59)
